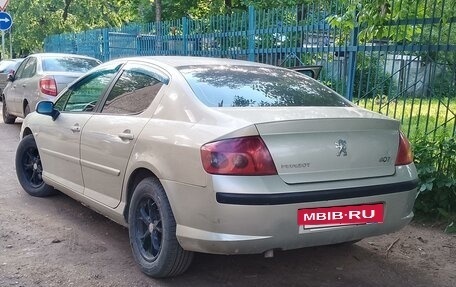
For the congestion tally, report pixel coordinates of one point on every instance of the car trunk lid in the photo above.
(319, 150)
(329, 144)
(63, 79)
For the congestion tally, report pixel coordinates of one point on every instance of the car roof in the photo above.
(43, 55)
(12, 60)
(179, 61)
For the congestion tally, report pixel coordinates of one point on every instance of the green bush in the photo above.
(371, 78)
(436, 164)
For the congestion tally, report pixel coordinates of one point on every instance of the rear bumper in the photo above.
(256, 218)
(312, 196)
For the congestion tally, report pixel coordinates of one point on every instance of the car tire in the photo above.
(152, 231)
(7, 118)
(26, 110)
(29, 169)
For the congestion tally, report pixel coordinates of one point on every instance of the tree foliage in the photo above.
(36, 19)
(435, 162)
(373, 17)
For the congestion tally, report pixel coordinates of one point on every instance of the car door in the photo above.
(28, 85)
(59, 140)
(108, 138)
(13, 94)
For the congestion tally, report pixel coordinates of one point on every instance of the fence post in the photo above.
(351, 67)
(74, 44)
(138, 41)
(251, 35)
(185, 36)
(105, 44)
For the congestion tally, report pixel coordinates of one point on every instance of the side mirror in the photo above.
(10, 76)
(311, 71)
(47, 108)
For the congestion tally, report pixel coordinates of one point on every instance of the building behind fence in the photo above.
(408, 74)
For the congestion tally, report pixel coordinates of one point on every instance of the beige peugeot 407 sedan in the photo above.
(218, 156)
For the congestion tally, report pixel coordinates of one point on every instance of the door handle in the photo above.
(76, 128)
(24, 85)
(126, 135)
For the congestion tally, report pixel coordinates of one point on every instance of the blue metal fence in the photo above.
(408, 72)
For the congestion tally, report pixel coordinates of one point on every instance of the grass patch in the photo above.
(431, 118)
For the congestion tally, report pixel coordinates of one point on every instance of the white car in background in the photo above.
(218, 156)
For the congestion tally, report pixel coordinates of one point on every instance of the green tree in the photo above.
(36, 19)
(265, 4)
(374, 17)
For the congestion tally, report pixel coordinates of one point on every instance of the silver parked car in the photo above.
(41, 77)
(218, 156)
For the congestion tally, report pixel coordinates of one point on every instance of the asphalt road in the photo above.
(58, 242)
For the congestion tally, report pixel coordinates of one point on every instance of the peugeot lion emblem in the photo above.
(341, 145)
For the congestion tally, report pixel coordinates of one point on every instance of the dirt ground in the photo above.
(58, 242)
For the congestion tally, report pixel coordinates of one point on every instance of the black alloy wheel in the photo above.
(29, 169)
(149, 231)
(152, 231)
(32, 169)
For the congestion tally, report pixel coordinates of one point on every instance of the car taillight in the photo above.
(238, 156)
(48, 86)
(404, 154)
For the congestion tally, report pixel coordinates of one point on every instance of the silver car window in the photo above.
(20, 69)
(30, 68)
(132, 93)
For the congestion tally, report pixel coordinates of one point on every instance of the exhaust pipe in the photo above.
(269, 254)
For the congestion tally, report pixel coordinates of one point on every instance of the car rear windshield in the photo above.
(68, 64)
(253, 86)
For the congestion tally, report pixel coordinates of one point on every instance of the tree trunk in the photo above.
(228, 5)
(66, 9)
(158, 10)
(158, 33)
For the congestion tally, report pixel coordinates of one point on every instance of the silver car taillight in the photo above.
(48, 86)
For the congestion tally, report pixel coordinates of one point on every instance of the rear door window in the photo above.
(134, 91)
(20, 69)
(30, 68)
